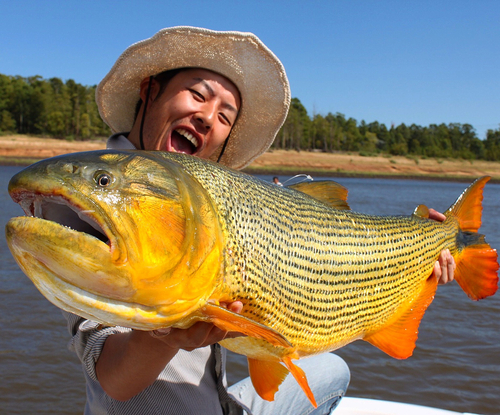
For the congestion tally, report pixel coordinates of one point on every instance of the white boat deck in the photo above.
(361, 406)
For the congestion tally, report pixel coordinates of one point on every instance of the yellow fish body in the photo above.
(151, 239)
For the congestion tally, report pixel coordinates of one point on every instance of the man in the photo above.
(276, 181)
(215, 95)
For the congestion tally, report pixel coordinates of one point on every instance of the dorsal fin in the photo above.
(421, 211)
(326, 191)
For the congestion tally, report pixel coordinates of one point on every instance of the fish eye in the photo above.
(103, 179)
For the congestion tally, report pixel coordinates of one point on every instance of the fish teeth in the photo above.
(187, 135)
(29, 206)
(37, 208)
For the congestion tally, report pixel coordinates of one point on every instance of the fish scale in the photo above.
(347, 250)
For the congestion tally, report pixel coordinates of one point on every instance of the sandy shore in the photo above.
(342, 164)
(19, 149)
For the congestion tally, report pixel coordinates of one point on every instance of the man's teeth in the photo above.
(187, 135)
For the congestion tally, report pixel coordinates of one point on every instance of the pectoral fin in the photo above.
(227, 320)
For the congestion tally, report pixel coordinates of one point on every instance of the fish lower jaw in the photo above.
(95, 307)
(104, 310)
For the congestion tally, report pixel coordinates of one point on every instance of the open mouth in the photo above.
(182, 141)
(59, 210)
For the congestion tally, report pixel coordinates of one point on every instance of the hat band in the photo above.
(223, 148)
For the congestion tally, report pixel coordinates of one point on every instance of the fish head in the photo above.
(121, 237)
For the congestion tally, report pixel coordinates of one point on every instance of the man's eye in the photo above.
(225, 119)
(197, 94)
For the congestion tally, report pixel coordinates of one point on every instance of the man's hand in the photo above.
(200, 334)
(444, 268)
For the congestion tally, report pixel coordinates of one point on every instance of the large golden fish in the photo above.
(150, 239)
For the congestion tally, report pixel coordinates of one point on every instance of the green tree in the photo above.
(296, 129)
(55, 125)
(492, 145)
(51, 107)
(7, 123)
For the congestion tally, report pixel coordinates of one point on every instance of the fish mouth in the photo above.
(102, 308)
(60, 210)
(184, 141)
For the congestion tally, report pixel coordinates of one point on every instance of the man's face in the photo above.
(193, 115)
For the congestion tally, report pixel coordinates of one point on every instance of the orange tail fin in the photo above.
(476, 261)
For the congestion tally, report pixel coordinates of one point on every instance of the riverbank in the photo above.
(377, 166)
(24, 150)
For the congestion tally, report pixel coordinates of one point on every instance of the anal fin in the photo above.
(229, 321)
(399, 338)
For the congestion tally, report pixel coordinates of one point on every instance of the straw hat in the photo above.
(241, 57)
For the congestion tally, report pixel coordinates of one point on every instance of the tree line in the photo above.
(335, 132)
(49, 107)
(67, 110)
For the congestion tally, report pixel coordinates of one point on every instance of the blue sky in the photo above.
(419, 62)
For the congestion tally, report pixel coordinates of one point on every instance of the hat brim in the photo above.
(241, 57)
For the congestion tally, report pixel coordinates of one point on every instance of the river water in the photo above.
(456, 364)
